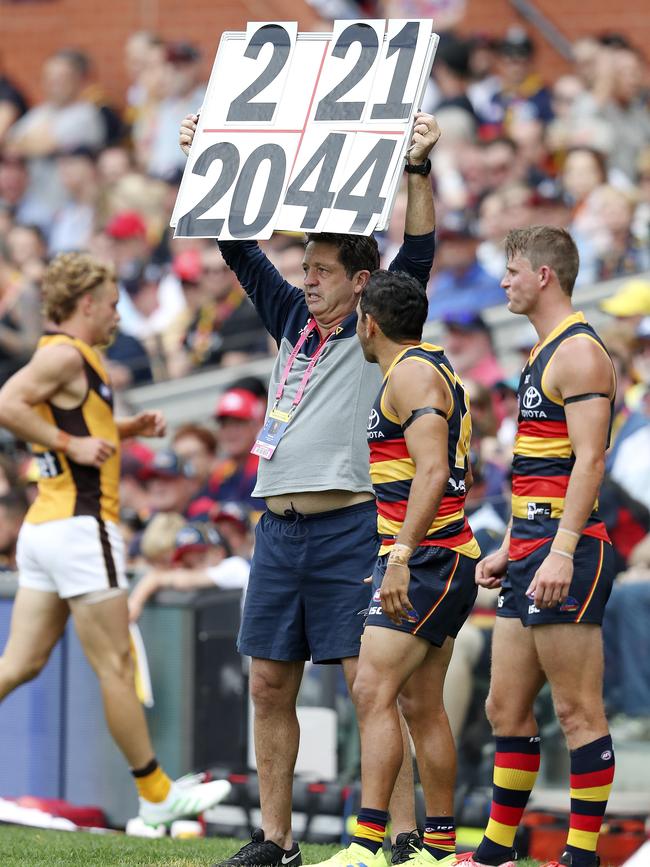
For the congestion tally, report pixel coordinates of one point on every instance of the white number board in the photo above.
(304, 131)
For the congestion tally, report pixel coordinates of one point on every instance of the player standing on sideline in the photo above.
(419, 433)
(317, 540)
(555, 566)
(70, 554)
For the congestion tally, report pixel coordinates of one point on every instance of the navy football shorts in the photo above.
(441, 590)
(593, 574)
(306, 597)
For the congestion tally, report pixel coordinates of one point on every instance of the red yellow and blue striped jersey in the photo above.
(392, 468)
(543, 456)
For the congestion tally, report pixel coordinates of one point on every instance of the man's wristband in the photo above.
(400, 554)
(62, 441)
(421, 169)
(562, 553)
(567, 542)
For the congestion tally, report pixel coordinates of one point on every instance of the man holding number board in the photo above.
(317, 541)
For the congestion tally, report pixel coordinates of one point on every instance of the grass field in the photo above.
(27, 847)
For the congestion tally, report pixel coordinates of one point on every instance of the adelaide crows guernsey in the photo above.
(67, 489)
(392, 469)
(543, 457)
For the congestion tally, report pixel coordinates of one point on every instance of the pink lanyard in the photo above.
(307, 330)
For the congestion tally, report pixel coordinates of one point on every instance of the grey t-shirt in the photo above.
(324, 446)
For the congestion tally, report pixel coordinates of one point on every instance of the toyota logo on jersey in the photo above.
(532, 398)
(373, 421)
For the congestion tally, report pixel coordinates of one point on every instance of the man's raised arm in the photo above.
(415, 256)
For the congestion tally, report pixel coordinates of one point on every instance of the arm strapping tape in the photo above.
(425, 410)
(588, 395)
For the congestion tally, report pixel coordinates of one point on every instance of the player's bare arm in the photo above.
(582, 376)
(54, 372)
(149, 423)
(159, 579)
(414, 386)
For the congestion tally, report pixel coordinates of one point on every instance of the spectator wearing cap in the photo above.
(468, 343)
(150, 299)
(523, 92)
(185, 94)
(239, 414)
(129, 245)
(225, 328)
(459, 282)
(233, 522)
(134, 499)
(170, 482)
(630, 302)
(202, 558)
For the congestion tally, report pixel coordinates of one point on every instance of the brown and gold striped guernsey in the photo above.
(67, 489)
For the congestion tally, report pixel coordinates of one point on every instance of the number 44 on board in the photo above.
(304, 131)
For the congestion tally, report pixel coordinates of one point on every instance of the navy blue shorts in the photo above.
(593, 574)
(441, 590)
(306, 597)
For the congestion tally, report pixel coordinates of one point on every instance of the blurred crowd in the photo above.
(77, 173)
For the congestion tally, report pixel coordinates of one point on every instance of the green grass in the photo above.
(28, 847)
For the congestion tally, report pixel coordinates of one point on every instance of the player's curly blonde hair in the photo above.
(67, 278)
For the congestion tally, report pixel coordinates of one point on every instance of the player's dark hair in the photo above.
(356, 252)
(397, 302)
(546, 245)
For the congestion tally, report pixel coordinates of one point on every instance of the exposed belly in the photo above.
(310, 502)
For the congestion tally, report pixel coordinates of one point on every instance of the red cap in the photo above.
(126, 224)
(238, 403)
(187, 266)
